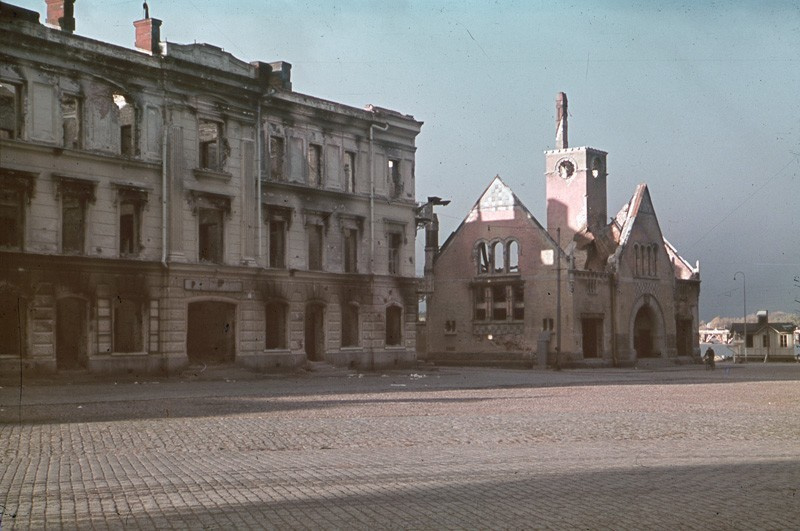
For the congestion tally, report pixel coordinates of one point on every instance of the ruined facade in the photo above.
(580, 290)
(172, 205)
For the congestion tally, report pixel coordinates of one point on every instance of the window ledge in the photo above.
(395, 347)
(123, 354)
(213, 175)
(277, 351)
(351, 349)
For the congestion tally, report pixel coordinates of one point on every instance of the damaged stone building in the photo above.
(172, 205)
(578, 291)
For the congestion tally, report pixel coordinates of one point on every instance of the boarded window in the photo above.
(350, 335)
(277, 243)
(315, 247)
(394, 326)
(349, 171)
(9, 110)
(127, 325)
(395, 248)
(351, 250)
(71, 121)
(276, 314)
(210, 235)
(314, 165)
(277, 150)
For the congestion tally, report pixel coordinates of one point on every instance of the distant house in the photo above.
(765, 340)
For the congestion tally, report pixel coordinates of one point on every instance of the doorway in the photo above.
(315, 332)
(71, 334)
(643, 333)
(211, 333)
(592, 329)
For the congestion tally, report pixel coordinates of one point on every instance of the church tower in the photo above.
(576, 183)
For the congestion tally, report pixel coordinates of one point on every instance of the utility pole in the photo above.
(558, 300)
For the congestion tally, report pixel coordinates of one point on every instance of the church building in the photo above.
(584, 289)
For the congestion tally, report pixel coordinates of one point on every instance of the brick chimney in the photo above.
(562, 141)
(61, 14)
(148, 35)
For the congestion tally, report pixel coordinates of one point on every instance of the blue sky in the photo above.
(701, 100)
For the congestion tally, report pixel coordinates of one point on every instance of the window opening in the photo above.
(9, 111)
(784, 340)
(128, 228)
(349, 171)
(12, 219)
(210, 135)
(127, 120)
(210, 235)
(71, 121)
(394, 317)
(765, 340)
(277, 243)
(395, 246)
(315, 247)
(350, 335)
(518, 299)
(483, 259)
(499, 303)
(498, 256)
(276, 315)
(73, 224)
(513, 256)
(315, 165)
(395, 180)
(480, 303)
(127, 325)
(351, 250)
(276, 158)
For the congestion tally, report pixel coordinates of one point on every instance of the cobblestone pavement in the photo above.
(454, 448)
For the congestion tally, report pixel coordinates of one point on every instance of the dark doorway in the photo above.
(592, 328)
(315, 332)
(211, 333)
(643, 332)
(71, 334)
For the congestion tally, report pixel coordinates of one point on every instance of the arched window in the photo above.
(482, 258)
(637, 259)
(498, 257)
(655, 259)
(276, 313)
(649, 260)
(513, 256)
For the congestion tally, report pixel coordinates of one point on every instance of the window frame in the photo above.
(205, 159)
(16, 110)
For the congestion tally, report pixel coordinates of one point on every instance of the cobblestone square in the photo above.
(436, 449)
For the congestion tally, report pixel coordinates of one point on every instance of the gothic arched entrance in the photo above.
(644, 333)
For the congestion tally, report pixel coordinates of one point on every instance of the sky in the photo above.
(700, 100)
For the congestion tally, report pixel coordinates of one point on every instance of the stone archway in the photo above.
(647, 336)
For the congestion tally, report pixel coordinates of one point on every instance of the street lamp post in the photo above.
(744, 296)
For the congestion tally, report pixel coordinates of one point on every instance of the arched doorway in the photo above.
(315, 332)
(644, 333)
(71, 334)
(211, 332)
